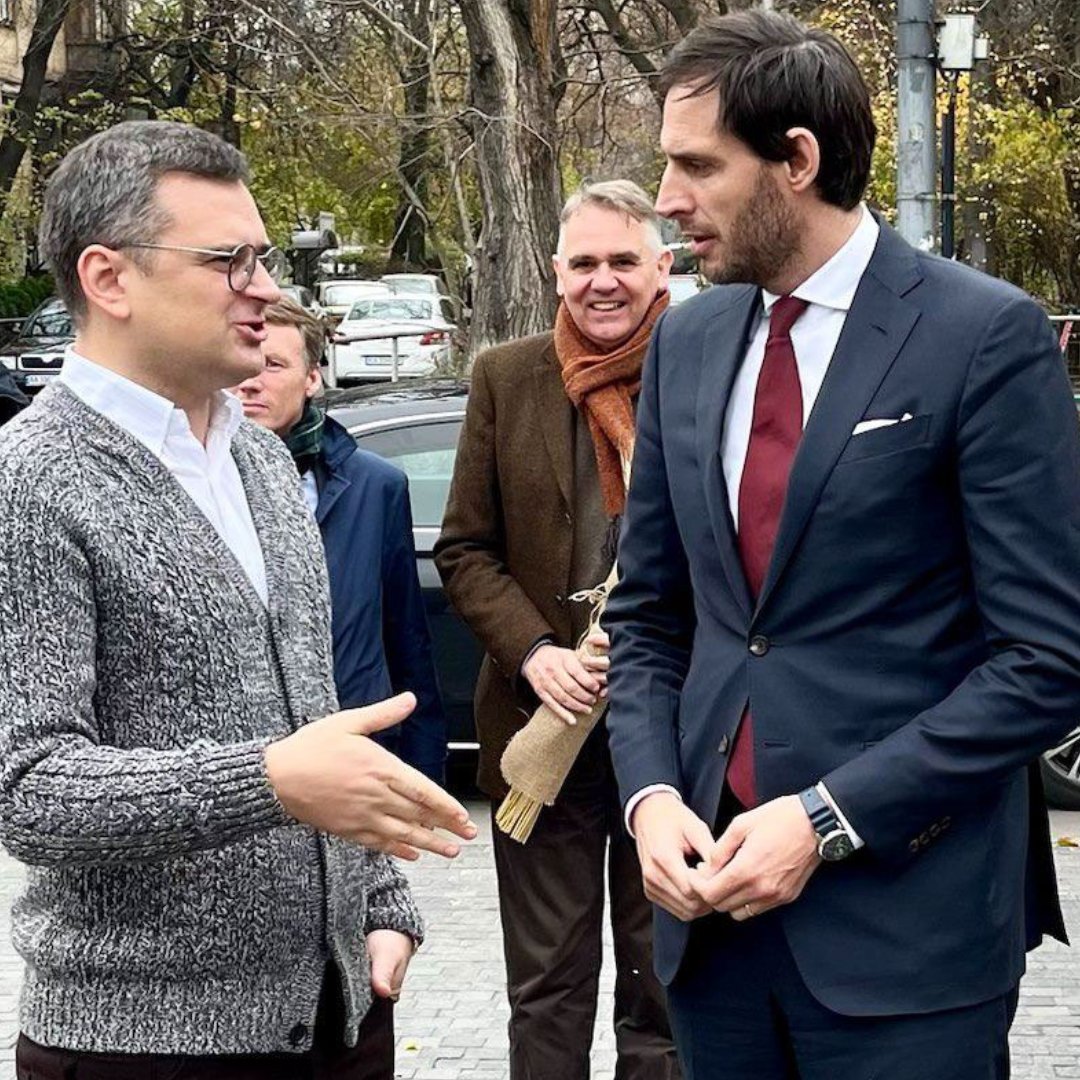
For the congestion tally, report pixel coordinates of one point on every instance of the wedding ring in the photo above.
(749, 911)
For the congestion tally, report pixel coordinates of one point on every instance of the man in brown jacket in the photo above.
(531, 520)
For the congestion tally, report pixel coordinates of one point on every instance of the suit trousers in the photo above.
(741, 1011)
(551, 898)
(329, 1059)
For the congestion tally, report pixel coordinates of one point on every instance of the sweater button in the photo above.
(298, 1035)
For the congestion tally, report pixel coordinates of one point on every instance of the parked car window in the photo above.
(348, 291)
(52, 321)
(391, 310)
(425, 453)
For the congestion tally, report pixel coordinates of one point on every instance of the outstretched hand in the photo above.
(330, 775)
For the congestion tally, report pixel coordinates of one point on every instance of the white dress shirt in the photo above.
(207, 473)
(828, 292)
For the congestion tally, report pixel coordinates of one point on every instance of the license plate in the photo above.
(39, 380)
(377, 361)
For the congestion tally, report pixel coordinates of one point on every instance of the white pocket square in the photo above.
(872, 425)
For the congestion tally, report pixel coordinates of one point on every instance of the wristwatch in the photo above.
(834, 843)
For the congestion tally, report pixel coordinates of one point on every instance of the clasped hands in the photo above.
(763, 859)
(569, 682)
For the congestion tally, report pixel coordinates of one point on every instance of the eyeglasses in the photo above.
(242, 261)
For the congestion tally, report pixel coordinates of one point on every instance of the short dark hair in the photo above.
(286, 312)
(773, 73)
(104, 190)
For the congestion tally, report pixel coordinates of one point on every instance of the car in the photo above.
(302, 295)
(416, 427)
(36, 354)
(1061, 773)
(417, 328)
(683, 287)
(415, 284)
(337, 296)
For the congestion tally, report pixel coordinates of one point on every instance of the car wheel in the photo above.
(1061, 773)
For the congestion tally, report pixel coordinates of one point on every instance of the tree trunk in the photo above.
(977, 207)
(512, 97)
(411, 221)
(19, 133)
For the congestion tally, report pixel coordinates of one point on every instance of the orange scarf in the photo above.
(603, 385)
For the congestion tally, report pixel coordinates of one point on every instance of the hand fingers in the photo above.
(564, 714)
(403, 840)
(576, 681)
(598, 640)
(724, 849)
(383, 714)
(569, 694)
(596, 664)
(430, 803)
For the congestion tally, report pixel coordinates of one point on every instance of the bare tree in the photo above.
(512, 98)
(18, 134)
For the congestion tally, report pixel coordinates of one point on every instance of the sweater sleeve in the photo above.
(65, 797)
(390, 904)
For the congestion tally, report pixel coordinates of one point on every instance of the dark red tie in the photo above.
(774, 438)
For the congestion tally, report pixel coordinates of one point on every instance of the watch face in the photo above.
(836, 846)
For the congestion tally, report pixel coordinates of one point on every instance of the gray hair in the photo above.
(622, 196)
(103, 192)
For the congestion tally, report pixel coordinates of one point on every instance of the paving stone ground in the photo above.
(451, 1022)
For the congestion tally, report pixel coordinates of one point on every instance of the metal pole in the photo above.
(394, 358)
(915, 151)
(948, 172)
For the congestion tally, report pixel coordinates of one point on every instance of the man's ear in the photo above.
(665, 261)
(103, 275)
(314, 382)
(804, 159)
(557, 266)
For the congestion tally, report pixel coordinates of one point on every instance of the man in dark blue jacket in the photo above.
(12, 399)
(361, 502)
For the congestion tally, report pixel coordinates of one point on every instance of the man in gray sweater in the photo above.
(190, 805)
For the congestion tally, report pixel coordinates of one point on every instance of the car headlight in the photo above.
(10, 362)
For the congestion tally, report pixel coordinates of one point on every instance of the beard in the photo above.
(761, 242)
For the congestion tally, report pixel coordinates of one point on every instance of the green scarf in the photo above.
(305, 439)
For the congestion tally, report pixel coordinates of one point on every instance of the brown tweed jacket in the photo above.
(507, 538)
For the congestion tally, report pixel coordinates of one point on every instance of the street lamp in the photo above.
(959, 46)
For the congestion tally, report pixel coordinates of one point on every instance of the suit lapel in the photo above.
(723, 347)
(875, 330)
(336, 485)
(556, 415)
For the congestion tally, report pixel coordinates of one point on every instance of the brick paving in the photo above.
(451, 1022)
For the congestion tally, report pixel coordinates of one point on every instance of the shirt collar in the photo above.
(149, 417)
(833, 285)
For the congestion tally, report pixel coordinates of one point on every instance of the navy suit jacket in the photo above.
(919, 622)
(381, 641)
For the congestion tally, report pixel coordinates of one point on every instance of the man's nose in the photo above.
(249, 386)
(604, 279)
(671, 198)
(262, 285)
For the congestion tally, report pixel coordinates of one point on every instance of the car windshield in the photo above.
(338, 295)
(51, 321)
(390, 310)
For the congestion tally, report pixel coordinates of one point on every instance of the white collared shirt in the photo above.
(829, 292)
(207, 473)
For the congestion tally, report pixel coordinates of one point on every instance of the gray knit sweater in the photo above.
(171, 905)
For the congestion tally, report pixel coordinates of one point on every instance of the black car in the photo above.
(416, 426)
(36, 354)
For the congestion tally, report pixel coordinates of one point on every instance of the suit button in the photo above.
(722, 748)
(759, 645)
(913, 847)
(935, 831)
(298, 1035)
(560, 599)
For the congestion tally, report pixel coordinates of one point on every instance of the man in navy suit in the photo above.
(380, 633)
(849, 615)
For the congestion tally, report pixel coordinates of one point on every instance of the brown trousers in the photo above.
(329, 1059)
(551, 897)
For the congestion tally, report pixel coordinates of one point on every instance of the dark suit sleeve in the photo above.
(470, 553)
(407, 641)
(650, 615)
(1018, 482)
